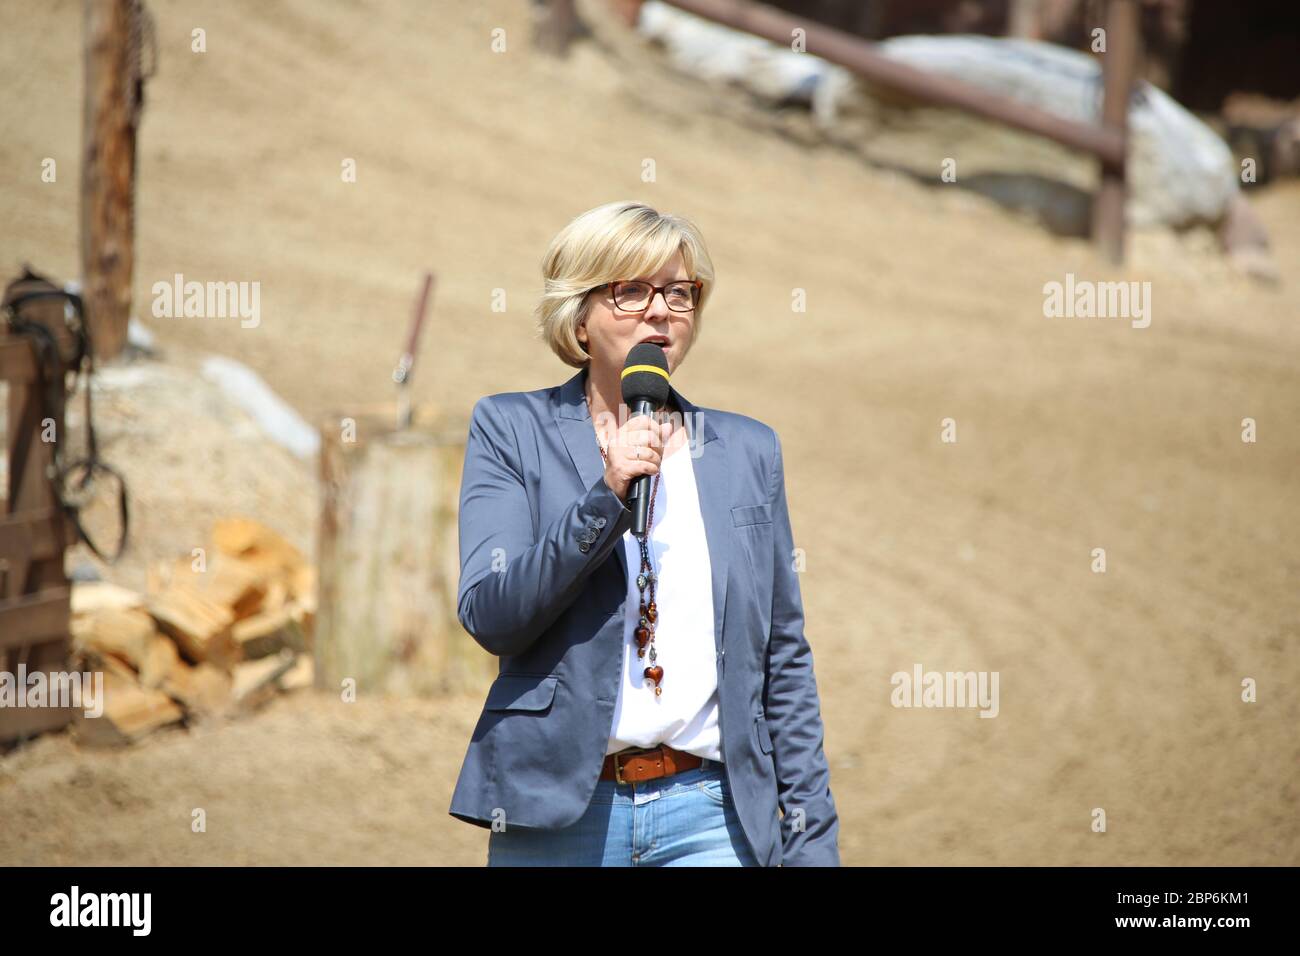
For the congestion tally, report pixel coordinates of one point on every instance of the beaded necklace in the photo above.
(646, 578)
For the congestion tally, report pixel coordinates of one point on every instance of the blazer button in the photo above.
(584, 547)
(600, 521)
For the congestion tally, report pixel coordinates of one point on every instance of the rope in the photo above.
(73, 481)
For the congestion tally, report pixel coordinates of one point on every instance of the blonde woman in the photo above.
(656, 704)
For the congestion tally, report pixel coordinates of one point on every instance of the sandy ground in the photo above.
(1118, 690)
(183, 479)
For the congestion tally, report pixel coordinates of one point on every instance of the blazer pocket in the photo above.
(742, 515)
(764, 738)
(522, 692)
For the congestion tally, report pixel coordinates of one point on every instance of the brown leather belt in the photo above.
(634, 765)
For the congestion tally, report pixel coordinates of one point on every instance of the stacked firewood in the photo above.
(219, 632)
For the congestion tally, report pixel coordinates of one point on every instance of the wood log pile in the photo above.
(219, 633)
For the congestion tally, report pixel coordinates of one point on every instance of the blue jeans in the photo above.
(686, 819)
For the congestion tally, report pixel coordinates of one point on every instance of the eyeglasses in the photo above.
(635, 296)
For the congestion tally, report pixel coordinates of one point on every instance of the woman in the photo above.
(656, 702)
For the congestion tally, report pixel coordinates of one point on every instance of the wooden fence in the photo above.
(34, 592)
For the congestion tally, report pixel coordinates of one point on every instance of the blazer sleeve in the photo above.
(512, 585)
(810, 825)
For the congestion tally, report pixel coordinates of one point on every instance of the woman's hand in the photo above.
(637, 450)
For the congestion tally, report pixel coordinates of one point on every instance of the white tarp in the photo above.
(714, 52)
(1180, 170)
(277, 418)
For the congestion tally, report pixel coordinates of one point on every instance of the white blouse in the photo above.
(685, 715)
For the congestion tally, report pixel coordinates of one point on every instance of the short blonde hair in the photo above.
(619, 240)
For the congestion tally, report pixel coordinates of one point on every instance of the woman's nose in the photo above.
(658, 304)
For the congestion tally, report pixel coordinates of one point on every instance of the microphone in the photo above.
(645, 391)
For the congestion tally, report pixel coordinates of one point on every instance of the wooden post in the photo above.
(112, 102)
(629, 11)
(555, 25)
(1023, 19)
(1119, 70)
(389, 558)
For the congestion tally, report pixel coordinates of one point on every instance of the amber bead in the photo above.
(655, 674)
(652, 612)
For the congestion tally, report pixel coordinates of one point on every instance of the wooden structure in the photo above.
(34, 592)
(1107, 142)
(388, 560)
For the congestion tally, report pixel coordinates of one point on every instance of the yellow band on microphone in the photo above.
(645, 368)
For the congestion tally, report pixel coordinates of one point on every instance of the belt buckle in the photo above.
(618, 768)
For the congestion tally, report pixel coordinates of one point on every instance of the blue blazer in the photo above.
(542, 586)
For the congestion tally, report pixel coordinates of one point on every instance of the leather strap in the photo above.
(636, 766)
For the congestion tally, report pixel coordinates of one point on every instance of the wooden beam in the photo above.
(19, 722)
(862, 57)
(34, 618)
(32, 535)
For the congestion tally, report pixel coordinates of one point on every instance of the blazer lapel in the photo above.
(574, 420)
(713, 484)
(712, 477)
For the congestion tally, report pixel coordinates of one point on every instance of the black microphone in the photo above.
(645, 391)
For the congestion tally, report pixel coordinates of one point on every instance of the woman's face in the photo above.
(610, 332)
